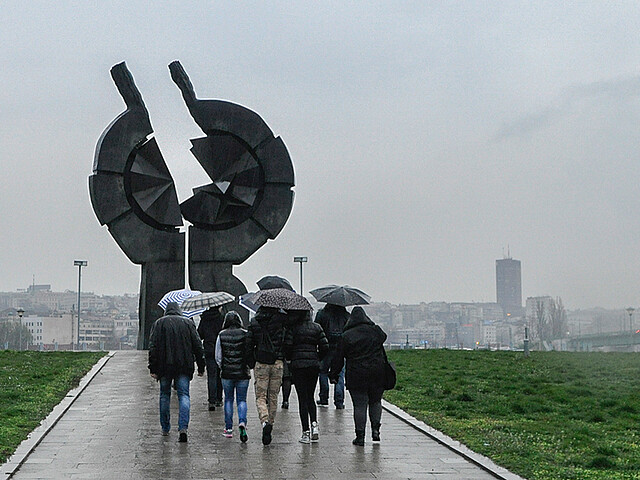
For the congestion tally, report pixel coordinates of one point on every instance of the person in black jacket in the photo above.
(332, 319)
(235, 359)
(305, 345)
(267, 331)
(173, 345)
(362, 347)
(209, 328)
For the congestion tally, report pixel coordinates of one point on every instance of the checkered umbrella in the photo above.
(208, 300)
(179, 296)
(281, 298)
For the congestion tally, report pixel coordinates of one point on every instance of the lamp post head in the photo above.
(20, 312)
(630, 310)
(79, 263)
(300, 259)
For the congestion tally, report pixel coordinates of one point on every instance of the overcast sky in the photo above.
(426, 137)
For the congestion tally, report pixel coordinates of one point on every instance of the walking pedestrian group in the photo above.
(282, 347)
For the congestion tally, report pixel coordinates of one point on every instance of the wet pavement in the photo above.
(112, 431)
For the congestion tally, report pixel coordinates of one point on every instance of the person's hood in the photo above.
(358, 317)
(173, 309)
(264, 314)
(232, 320)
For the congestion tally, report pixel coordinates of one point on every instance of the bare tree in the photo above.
(541, 321)
(557, 318)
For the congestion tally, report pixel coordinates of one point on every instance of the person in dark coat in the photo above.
(209, 328)
(306, 345)
(362, 347)
(332, 319)
(173, 345)
(267, 331)
(235, 359)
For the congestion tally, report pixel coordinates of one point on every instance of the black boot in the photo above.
(375, 433)
(359, 440)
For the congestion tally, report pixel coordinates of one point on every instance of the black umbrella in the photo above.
(340, 295)
(273, 281)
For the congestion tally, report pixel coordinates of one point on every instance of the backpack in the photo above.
(266, 351)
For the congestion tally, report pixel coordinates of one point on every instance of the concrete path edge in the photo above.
(35, 437)
(480, 460)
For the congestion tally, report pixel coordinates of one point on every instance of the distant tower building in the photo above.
(509, 286)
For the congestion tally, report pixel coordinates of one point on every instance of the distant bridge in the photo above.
(610, 342)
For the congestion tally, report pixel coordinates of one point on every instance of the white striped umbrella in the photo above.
(179, 296)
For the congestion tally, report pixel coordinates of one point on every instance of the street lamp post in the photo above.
(79, 264)
(300, 260)
(630, 311)
(20, 314)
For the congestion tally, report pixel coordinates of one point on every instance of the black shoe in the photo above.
(375, 434)
(322, 404)
(285, 405)
(218, 403)
(266, 433)
(243, 434)
(340, 406)
(183, 437)
(212, 407)
(359, 440)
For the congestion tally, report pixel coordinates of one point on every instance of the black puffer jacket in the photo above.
(305, 344)
(209, 328)
(236, 349)
(362, 348)
(271, 321)
(174, 344)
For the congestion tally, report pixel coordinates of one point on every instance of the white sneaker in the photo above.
(314, 431)
(306, 437)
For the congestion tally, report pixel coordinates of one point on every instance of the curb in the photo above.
(14, 462)
(480, 460)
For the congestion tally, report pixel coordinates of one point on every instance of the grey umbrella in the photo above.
(340, 295)
(281, 298)
(273, 281)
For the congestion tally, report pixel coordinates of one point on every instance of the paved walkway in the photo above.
(111, 431)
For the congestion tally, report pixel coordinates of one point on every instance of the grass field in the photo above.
(31, 384)
(554, 415)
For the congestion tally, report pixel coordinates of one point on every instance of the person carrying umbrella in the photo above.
(267, 332)
(173, 345)
(362, 347)
(306, 345)
(332, 318)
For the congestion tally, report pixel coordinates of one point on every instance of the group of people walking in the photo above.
(281, 347)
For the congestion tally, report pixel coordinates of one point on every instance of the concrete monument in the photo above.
(247, 202)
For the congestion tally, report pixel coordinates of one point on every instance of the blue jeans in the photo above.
(338, 390)
(184, 402)
(239, 387)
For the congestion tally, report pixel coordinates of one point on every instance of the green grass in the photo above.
(554, 415)
(31, 384)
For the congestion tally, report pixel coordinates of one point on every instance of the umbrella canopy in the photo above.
(340, 295)
(246, 301)
(281, 298)
(180, 296)
(273, 281)
(207, 300)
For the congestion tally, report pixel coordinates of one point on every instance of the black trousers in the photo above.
(363, 399)
(305, 380)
